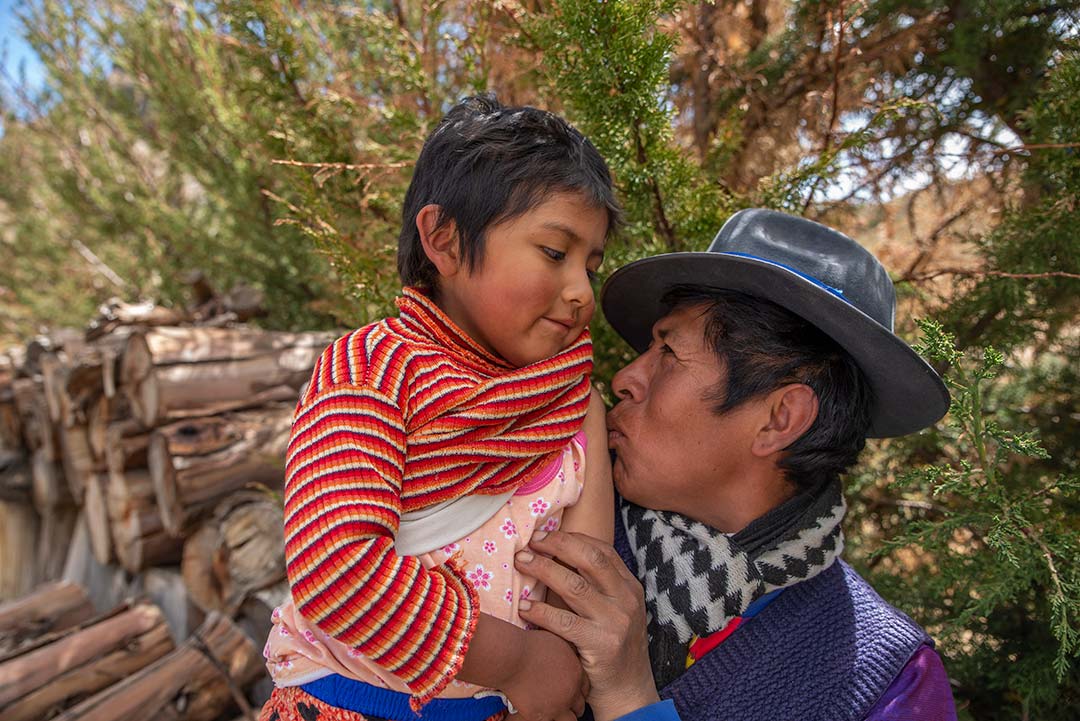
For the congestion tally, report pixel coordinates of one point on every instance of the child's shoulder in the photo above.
(359, 357)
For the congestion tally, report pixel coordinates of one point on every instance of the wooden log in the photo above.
(92, 371)
(238, 551)
(77, 459)
(48, 488)
(165, 588)
(60, 674)
(25, 394)
(52, 380)
(51, 607)
(125, 446)
(172, 373)
(139, 538)
(10, 423)
(16, 481)
(103, 413)
(115, 315)
(257, 610)
(198, 681)
(96, 513)
(107, 585)
(54, 537)
(194, 464)
(18, 534)
(205, 569)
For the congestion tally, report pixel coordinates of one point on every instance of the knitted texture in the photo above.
(400, 415)
(825, 650)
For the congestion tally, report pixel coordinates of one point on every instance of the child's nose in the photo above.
(579, 291)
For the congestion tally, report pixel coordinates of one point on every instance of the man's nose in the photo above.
(628, 383)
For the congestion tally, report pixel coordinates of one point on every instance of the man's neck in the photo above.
(739, 504)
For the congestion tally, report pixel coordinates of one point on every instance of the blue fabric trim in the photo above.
(368, 700)
(759, 605)
(835, 291)
(660, 711)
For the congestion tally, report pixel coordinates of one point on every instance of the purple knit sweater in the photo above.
(827, 649)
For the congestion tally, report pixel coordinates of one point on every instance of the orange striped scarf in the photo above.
(489, 437)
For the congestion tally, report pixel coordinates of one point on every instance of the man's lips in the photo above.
(614, 432)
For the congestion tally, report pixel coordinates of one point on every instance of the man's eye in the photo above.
(552, 253)
(666, 349)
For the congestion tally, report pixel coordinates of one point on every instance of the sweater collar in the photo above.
(420, 315)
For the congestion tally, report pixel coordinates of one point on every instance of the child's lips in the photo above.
(566, 323)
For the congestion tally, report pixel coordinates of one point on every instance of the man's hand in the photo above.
(606, 621)
(550, 685)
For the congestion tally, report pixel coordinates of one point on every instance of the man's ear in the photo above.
(792, 410)
(440, 243)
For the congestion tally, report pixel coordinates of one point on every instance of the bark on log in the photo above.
(51, 607)
(196, 682)
(194, 464)
(58, 675)
(172, 373)
(139, 538)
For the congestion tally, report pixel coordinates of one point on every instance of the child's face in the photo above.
(531, 295)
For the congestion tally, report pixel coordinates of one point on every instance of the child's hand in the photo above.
(550, 684)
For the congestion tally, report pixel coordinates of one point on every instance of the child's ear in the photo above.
(440, 244)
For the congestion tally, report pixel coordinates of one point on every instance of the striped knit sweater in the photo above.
(400, 415)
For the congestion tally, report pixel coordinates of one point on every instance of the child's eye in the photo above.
(552, 253)
(592, 274)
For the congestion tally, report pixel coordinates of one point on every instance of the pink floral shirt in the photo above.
(297, 652)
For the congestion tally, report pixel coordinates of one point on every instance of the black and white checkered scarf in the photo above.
(697, 579)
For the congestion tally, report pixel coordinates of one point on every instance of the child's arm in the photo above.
(594, 513)
(539, 672)
(344, 470)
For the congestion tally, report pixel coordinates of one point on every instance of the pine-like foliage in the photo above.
(270, 142)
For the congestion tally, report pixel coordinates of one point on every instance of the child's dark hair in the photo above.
(485, 164)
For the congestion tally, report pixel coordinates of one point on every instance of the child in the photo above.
(429, 448)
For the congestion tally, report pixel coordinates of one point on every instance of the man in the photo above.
(765, 363)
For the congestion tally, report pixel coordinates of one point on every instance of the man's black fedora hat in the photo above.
(813, 271)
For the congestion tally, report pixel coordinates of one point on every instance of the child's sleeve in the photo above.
(344, 469)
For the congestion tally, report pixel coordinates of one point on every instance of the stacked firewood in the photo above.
(141, 467)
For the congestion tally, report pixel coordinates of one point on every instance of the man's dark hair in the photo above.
(485, 164)
(763, 346)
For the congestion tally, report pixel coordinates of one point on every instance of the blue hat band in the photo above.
(834, 291)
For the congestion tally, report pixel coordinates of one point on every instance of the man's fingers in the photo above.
(565, 624)
(595, 560)
(577, 592)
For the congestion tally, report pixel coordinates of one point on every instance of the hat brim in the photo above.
(908, 394)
